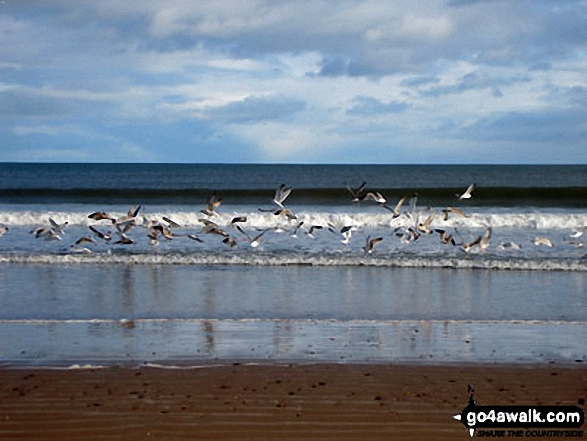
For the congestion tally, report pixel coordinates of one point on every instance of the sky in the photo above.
(325, 81)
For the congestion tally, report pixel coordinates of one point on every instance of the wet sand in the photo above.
(276, 401)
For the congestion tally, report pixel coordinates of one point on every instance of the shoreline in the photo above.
(232, 400)
(195, 364)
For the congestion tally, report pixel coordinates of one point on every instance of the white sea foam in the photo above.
(302, 321)
(476, 219)
(292, 259)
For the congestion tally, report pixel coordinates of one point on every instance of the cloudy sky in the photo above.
(325, 81)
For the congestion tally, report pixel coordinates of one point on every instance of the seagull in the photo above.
(466, 247)
(370, 243)
(171, 222)
(575, 244)
(469, 193)
(453, 210)
(130, 216)
(413, 202)
(163, 230)
(295, 231)
(3, 230)
(287, 213)
(425, 227)
(376, 196)
(230, 241)
(312, 228)
(281, 194)
(578, 232)
(101, 215)
(357, 193)
(485, 239)
(212, 228)
(212, 204)
(124, 239)
(445, 237)
(124, 228)
(209, 223)
(397, 209)
(543, 241)
(58, 228)
(121, 230)
(79, 250)
(194, 237)
(39, 231)
(52, 235)
(154, 236)
(254, 241)
(104, 236)
(509, 245)
(409, 235)
(237, 219)
(345, 232)
(85, 239)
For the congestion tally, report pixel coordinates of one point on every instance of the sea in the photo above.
(392, 292)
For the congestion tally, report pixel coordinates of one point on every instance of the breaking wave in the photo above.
(294, 259)
(369, 218)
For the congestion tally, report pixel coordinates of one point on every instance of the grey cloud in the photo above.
(367, 106)
(541, 66)
(577, 95)
(547, 126)
(16, 103)
(472, 81)
(419, 81)
(257, 109)
(334, 66)
(459, 3)
(39, 103)
(372, 38)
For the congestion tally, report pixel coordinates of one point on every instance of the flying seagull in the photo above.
(453, 210)
(543, 241)
(104, 236)
(445, 237)
(485, 239)
(281, 195)
(357, 193)
(375, 196)
(171, 222)
(397, 209)
(101, 215)
(287, 213)
(212, 204)
(238, 219)
(469, 193)
(425, 226)
(254, 241)
(370, 243)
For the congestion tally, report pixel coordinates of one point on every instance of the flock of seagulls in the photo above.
(166, 228)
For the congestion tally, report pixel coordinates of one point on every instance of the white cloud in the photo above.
(297, 79)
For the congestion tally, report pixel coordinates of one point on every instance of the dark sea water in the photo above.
(185, 184)
(296, 296)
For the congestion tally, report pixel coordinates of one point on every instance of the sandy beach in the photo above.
(274, 401)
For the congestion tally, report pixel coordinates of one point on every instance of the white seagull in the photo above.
(370, 243)
(543, 241)
(469, 193)
(281, 195)
(254, 241)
